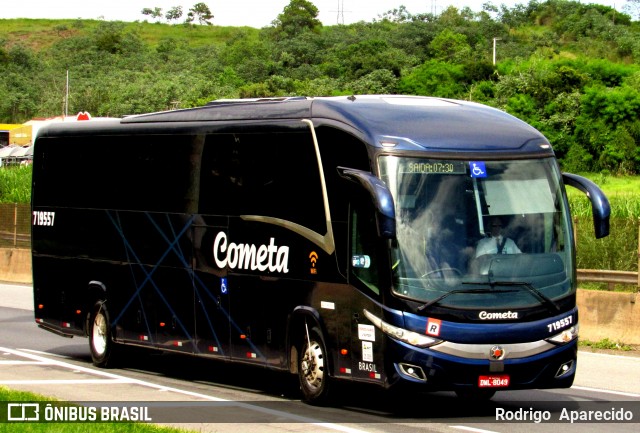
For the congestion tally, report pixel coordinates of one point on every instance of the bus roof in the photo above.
(401, 122)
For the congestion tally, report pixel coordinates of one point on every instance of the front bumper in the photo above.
(435, 370)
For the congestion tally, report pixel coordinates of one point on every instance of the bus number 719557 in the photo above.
(42, 218)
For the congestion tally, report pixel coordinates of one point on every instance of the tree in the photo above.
(112, 37)
(202, 12)
(380, 81)
(174, 14)
(398, 15)
(154, 13)
(369, 55)
(451, 17)
(296, 17)
(450, 46)
(434, 78)
(612, 105)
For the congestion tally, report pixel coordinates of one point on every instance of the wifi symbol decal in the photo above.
(313, 257)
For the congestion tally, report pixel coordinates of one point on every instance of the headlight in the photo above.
(404, 335)
(565, 336)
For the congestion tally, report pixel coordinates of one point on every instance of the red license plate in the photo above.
(499, 381)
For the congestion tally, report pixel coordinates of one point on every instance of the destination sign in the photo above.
(434, 167)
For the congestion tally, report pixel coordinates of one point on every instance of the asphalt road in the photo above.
(208, 396)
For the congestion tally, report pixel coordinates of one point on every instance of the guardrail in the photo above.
(609, 277)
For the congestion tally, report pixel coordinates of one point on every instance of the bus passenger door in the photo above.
(211, 289)
(366, 276)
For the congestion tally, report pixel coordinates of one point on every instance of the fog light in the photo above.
(565, 368)
(413, 371)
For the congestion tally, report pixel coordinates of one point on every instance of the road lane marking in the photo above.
(102, 373)
(131, 381)
(608, 355)
(55, 355)
(64, 382)
(473, 429)
(606, 391)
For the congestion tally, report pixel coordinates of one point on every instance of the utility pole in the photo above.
(66, 97)
(494, 50)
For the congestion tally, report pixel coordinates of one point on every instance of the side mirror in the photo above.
(380, 197)
(599, 202)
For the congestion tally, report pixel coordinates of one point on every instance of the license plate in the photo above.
(499, 381)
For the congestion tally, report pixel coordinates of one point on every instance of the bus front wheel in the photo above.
(100, 342)
(313, 370)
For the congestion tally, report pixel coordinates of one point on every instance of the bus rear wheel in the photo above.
(313, 371)
(100, 342)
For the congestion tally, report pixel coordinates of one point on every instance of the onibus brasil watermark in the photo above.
(611, 414)
(266, 411)
(48, 412)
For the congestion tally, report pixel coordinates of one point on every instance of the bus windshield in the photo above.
(479, 234)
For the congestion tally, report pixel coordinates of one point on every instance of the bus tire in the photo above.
(313, 368)
(100, 341)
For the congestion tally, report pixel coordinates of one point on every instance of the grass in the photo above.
(623, 193)
(606, 344)
(51, 427)
(620, 288)
(619, 250)
(40, 34)
(616, 252)
(194, 36)
(617, 184)
(15, 184)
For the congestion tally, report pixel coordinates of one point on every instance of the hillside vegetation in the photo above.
(570, 69)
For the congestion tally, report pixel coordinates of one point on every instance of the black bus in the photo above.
(381, 239)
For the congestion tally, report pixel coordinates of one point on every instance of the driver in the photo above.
(496, 243)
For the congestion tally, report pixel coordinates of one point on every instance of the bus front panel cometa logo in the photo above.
(503, 315)
(249, 256)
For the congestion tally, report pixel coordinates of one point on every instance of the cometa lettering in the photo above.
(247, 256)
(484, 315)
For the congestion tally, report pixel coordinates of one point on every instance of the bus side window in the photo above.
(272, 174)
(221, 181)
(364, 247)
(238, 175)
(340, 149)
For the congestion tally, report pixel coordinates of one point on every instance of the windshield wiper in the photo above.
(441, 297)
(544, 299)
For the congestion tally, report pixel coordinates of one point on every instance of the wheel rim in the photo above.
(99, 334)
(313, 366)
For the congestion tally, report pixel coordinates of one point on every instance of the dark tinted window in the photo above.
(140, 172)
(268, 174)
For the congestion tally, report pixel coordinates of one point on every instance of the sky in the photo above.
(254, 13)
